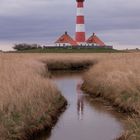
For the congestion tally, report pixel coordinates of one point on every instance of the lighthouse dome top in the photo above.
(80, 0)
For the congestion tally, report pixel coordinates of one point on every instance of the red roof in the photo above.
(96, 40)
(65, 38)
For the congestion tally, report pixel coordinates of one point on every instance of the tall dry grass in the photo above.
(28, 100)
(117, 79)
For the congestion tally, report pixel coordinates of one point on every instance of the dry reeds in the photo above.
(117, 79)
(28, 101)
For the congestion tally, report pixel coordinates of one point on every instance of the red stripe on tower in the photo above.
(80, 20)
(80, 36)
(80, 3)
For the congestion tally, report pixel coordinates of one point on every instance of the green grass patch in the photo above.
(71, 50)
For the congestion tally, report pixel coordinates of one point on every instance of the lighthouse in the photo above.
(80, 36)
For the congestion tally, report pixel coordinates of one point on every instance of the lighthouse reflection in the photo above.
(80, 101)
(84, 119)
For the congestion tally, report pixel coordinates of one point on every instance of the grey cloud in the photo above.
(45, 20)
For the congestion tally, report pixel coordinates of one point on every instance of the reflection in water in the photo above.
(84, 119)
(80, 102)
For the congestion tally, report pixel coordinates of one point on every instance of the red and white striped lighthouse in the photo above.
(80, 36)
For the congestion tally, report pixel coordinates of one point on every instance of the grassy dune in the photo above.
(29, 101)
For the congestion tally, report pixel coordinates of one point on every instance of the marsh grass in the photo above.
(28, 98)
(117, 79)
(29, 102)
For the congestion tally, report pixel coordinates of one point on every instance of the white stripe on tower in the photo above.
(80, 12)
(80, 23)
(80, 28)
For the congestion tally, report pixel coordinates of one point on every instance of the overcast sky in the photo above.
(116, 22)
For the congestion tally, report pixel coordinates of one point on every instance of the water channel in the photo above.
(85, 118)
